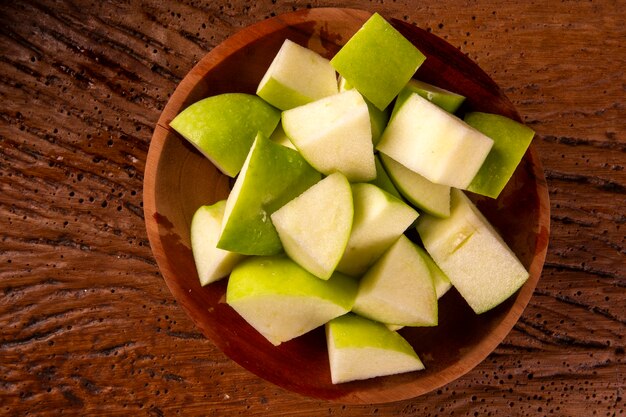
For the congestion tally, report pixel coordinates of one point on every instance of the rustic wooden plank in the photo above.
(88, 325)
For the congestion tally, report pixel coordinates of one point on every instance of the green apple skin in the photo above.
(315, 226)
(472, 254)
(443, 98)
(440, 280)
(212, 263)
(297, 76)
(378, 61)
(379, 220)
(333, 134)
(426, 195)
(282, 301)
(359, 348)
(378, 118)
(398, 288)
(383, 180)
(434, 143)
(511, 140)
(271, 176)
(223, 127)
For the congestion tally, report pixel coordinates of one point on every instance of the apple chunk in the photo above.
(445, 99)
(424, 194)
(511, 139)
(315, 226)
(359, 348)
(379, 220)
(472, 254)
(223, 127)
(378, 61)
(271, 176)
(297, 76)
(398, 288)
(281, 300)
(212, 263)
(430, 141)
(334, 134)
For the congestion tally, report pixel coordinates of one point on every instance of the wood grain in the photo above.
(89, 326)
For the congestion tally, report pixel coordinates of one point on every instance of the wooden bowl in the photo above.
(178, 180)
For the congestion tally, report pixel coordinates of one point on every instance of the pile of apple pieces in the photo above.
(328, 180)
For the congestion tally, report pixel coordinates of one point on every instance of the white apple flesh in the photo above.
(315, 226)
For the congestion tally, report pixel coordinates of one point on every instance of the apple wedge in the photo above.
(359, 348)
(472, 254)
(281, 300)
(440, 280)
(297, 76)
(378, 61)
(315, 226)
(379, 220)
(382, 179)
(271, 176)
(430, 141)
(424, 194)
(511, 139)
(334, 134)
(443, 98)
(378, 118)
(398, 288)
(212, 263)
(223, 127)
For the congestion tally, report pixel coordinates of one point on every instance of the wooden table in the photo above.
(88, 324)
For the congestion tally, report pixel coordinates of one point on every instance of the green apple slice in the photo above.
(445, 99)
(212, 263)
(279, 136)
(281, 300)
(398, 288)
(430, 141)
(511, 139)
(271, 176)
(424, 194)
(315, 226)
(440, 280)
(379, 220)
(359, 348)
(378, 61)
(472, 254)
(378, 118)
(223, 127)
(382, 179)
(334, 134)
(297, 76)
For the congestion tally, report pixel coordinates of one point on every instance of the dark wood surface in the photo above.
(88, 324)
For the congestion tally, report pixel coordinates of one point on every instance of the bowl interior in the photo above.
(178, 180)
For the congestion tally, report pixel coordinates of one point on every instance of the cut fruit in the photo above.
(315, 226)
(223, 127)
(281, 300)
(443, 98)
(279, 136)
(379, 220)
(271, 176)
(430, 141)
(378, 118)
(378, 61)
(398, 288)
(382, 179)
(511, 139)
(472, 254)
(424, 194)
(297, 76)
(440, 280)
(359, 348)
(334, 134)
(212, 263)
